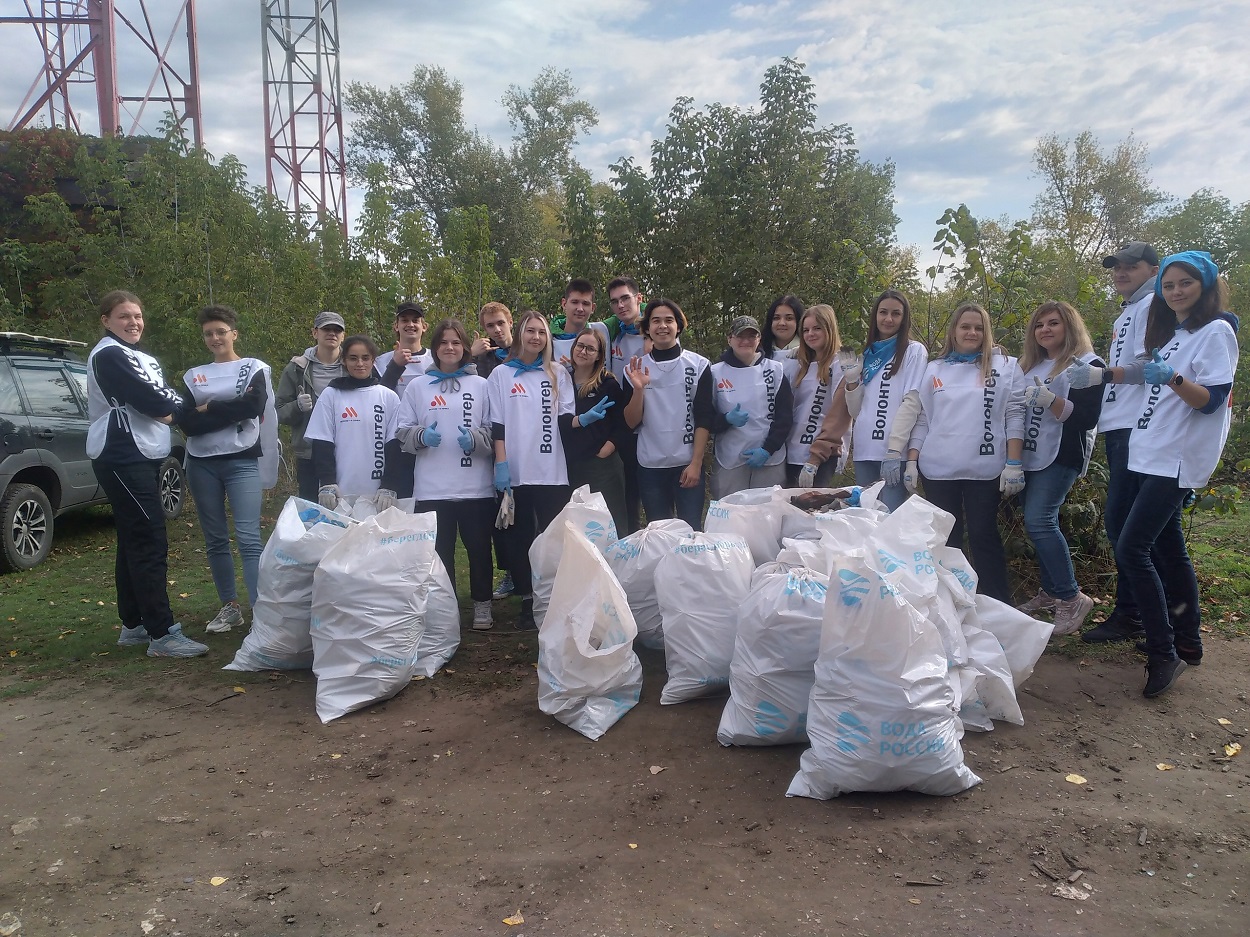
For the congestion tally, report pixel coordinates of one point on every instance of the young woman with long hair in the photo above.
(593, 441)
(781, 328)
(815, 376)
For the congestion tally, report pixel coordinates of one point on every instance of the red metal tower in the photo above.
(305, 166)
(79, 44)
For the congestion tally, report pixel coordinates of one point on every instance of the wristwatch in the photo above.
(1177, 381)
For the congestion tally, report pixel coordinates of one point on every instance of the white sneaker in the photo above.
(482, 618)
(229, 616)
(1071, 613)
(1042, 602)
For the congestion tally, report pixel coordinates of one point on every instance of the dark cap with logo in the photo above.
(1131, 253)
(744, 324)
(410, 307)
(329, 318)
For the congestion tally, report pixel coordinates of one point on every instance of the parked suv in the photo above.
(44, 469)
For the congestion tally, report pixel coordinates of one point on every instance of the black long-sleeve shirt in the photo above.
(584, 442)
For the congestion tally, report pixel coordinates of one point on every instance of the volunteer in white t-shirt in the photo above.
(577, 306)
(753, 416)
(352, 430)
(891, 366)
(232, 428)
(444, 421)
(1059, 428)
(672, 411)
(531, 406)
(1175, 446)
(815, 376)
(1133, 270)
(398, 368)
(780, 337)
(968, 439)
(628, 343)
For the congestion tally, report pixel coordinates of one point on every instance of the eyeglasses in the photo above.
(587, 349)
(622, 300)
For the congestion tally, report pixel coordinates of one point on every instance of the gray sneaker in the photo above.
(176, 644)
(1042, 602)
(133, 637)
(1071, 613)
(229, 616)
(483, 620)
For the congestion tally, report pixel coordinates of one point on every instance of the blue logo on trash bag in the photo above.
(853, 589)
(769, 719)
(596, 532)
(624, 700)
(805, 587)
(852, 733)
(889, 562)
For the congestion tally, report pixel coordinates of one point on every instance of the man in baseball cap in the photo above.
(409, 360)
(302, 381)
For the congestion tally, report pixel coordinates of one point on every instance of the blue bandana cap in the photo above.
(1199, 260)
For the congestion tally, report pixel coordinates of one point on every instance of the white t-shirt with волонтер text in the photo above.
(755, 389)
(360, 422)
(445, 472)
(528, 407)
(1122, 403)
(870, 434)
(1170, 438)
(666, 434)
(811, 398)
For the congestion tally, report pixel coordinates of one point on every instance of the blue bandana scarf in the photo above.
(564, 336)
(875, 357)
(962, 357)
(518, 365)
(629, 329)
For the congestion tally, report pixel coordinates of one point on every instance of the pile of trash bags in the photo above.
(851, 629)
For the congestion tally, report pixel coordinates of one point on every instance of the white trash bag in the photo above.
(280, 639)
(1023, 638)
(701, 584)
(370, 601)
(771, 676)
(589, 514)
(588, 673)
(761, 517)
(882, 710)
(440, 639)
(633, 561)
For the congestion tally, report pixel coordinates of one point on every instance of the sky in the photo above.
(954, 94)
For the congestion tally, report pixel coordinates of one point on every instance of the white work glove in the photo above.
(1081, 374)
(807, 475)
(911, 476)
(328, 497)
(304, 402)
(1039, 395)
(507, 510)
(892, 467)
(385, 498)
(852, 364)
(1011, 481)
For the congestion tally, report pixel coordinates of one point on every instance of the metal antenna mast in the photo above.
(79, 44)
(305, 167)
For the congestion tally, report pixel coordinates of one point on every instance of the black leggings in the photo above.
(975, 506)
(474, 518)
(536, 507)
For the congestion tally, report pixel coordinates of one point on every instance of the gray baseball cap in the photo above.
(329, 318)
(1131, 253)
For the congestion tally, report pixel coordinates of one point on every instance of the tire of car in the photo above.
(26, 538)
(172, 485)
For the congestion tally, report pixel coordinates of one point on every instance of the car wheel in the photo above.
(173, 488)
(26, 538)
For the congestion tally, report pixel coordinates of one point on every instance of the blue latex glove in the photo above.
(1082, 374)
(1158, 371)
(853, 500)
(756, 457)
(430, 436)
(892, 468)
(595, 413)
(737, 416)
(503, 477)
(465, 439)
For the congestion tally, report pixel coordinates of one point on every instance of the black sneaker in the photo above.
(1190, 656)
(525, 621)
(1161, 675)
(1115, 627)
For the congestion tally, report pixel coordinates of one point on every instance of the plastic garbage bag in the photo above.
(633, 560)
(700, 586)
(280, 639)
(771, 676)
(881, 715)
(760, 516)
(1023, 638)
(440, 639)
(588, 673)
(589, 513)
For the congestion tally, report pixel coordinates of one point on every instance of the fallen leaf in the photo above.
(1064, 890)
(238, 689)
(1164, 766)
(913, 901)
(515, 919)
(336, 756)
(184, 595)
(1075, 779)
(633, 845)
(12, 653)
(216, 880)
(1232, 749)
(656, 769)
(1224, 722)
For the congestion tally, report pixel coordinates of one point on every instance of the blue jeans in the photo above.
(1122, 487)
(664, 498)
(1044, 494)
(869, 473)
(212, 482)
(1151, 553)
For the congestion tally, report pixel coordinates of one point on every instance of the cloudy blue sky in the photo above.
(956, 94)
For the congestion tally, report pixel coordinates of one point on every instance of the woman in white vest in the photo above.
(444, 420)
(352, 428)
(131, 408)
(968, 439)
(232, 455)
(780, 337)
(815, 376)
(753, 416)
(891, 366)
(531, 406)
(1174, 448)
(1059, 428)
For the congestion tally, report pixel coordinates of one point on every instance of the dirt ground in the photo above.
(458, 804)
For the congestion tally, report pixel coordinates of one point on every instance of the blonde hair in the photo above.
(828, 323)
(1076, 340)
(987, 336)
(514, 351)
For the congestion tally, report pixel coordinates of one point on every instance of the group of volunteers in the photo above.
(493, 432)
